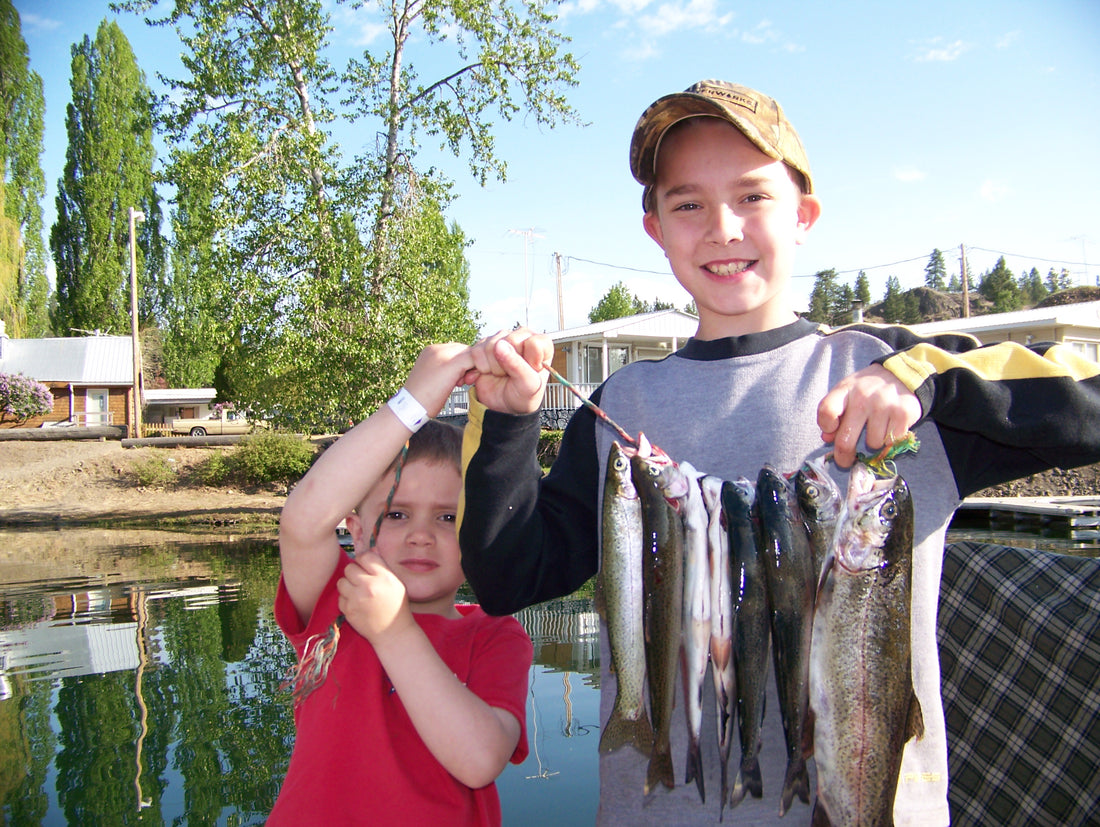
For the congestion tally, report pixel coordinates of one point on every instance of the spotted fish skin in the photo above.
(622, 585)
(863, 705)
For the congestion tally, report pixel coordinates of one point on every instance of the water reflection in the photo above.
(139, 676)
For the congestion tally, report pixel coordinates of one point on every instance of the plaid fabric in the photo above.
(1019, 639)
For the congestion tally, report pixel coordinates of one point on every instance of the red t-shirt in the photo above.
(357, 757)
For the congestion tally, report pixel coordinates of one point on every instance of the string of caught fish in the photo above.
(676, 539)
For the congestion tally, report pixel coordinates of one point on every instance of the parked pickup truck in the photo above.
(222, 422)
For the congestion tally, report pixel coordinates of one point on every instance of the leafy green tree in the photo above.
(617, 303)
(999, 286)
(1056, 281)
(935, 272)
(893, 303)
(1032, 289)
(313, 290)
(108, 171)
(830, 301)
(190, 315)
(822, 297)
(954, 284)
(24, 288)
(863, 289)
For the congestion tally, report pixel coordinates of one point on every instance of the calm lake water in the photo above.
(139, 684)
(140, 672)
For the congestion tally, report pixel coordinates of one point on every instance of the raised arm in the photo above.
(341, 477)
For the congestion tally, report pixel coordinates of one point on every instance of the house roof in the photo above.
(660, 324)
(178, 396)
(86, 360)
(1082, 314)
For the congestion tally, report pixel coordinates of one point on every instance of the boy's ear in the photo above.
(652, 226)
(809, 210)
(354, 524)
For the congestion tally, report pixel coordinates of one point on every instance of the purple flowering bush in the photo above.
(22, 397)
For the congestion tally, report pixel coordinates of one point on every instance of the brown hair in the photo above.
(436, 442)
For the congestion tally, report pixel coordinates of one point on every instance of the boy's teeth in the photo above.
(729, 269)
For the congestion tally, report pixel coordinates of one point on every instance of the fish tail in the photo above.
(749, 781)
(623, 730)
(695, 768)
(725, 786)
(659, 771)
(820, 818)
(796, 782)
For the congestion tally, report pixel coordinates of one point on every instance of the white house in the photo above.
(1075, 325)
(91, 377)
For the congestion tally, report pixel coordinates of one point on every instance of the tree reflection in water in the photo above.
(139, 676)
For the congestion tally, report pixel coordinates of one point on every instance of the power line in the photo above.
(854, 269)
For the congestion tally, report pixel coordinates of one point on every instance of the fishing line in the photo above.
(588, 403)
(318, 652)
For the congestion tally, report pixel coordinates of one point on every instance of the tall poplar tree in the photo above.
(24, 288)
(108, 170)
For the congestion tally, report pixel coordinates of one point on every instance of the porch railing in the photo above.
(558, 397)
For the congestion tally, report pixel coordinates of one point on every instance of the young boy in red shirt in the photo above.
(422, 704)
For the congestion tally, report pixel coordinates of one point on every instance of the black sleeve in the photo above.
(526, 537)
(1006, 411)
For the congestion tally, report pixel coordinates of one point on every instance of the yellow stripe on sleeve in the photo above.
(1007, 360)
(471, 441)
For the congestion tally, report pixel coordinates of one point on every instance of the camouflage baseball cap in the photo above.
(757, 116)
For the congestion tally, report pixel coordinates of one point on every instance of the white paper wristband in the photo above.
(411, 413)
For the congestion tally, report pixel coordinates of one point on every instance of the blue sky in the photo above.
(928, 125)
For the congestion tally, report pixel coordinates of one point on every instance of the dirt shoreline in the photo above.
(91, 483)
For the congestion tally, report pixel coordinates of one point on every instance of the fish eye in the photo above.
(621, 463)
(889, 509)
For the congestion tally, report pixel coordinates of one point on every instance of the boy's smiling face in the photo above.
(728, 218)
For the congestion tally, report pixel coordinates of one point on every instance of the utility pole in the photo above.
(965, 281)
(561, 307)
(135, 421)
(527, 236)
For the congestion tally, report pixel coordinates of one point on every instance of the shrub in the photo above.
(213, 470)
(22, 397)
(265, 457)
(153, 471)
(549, 443)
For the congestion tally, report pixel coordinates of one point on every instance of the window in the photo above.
(1089, 350)
(592, 363)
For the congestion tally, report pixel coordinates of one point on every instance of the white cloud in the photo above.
(937, 51)
(694, 14)
(993, 191)
(909, 175)
(630, 7)
(1008, 40)
(357, 26)
(36, 22)
(571, 8)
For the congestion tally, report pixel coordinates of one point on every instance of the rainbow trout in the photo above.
(819, 499)
(621, 576)
(790, 582)
(695, 650)
(862, 701)
(721, 625)
(752, 631)
(663, 576)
